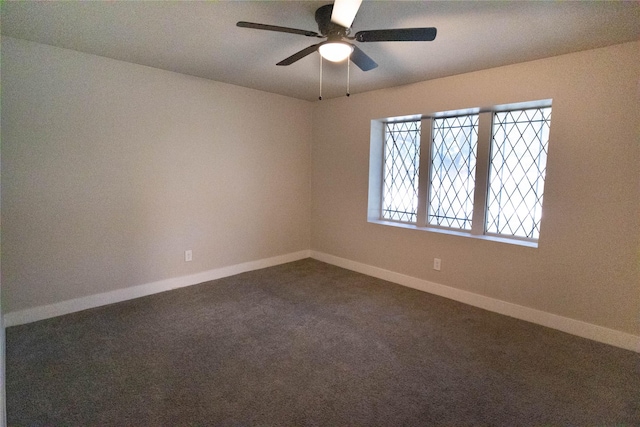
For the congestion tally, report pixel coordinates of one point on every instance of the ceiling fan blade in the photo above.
(244, 24)
(362, 60)
(397, 35)
(344, 12)
(299, 55)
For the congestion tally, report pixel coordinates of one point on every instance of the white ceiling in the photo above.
(201, 38)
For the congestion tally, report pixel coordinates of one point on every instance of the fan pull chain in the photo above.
(320, 97)
(348, 65)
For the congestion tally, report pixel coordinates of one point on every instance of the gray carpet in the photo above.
(309, 344)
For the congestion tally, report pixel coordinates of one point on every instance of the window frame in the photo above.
(483, 159)
(384, 170)
(431, 171)
(491, 156)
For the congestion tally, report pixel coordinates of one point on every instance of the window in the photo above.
(401, 168)
(453, 171)
(517, 171)
(483, 171)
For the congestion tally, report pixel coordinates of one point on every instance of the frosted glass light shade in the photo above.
(335, 52)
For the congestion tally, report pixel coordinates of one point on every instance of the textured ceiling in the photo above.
(201, 38)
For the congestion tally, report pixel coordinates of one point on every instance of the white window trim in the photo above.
(485, 129)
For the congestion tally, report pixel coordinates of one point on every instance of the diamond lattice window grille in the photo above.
(453, 169)
(517, 172)
(401, 168)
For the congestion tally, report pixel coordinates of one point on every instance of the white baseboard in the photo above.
(65, 307)
(565, 324)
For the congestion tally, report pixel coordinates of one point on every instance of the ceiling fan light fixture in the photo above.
(335, 51)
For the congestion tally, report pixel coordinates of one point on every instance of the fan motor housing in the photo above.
(325, 26)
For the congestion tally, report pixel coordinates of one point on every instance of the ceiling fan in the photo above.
(334, 24)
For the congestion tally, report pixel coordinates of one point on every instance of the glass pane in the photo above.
(517, 172)
(453, 170)
(401, 168)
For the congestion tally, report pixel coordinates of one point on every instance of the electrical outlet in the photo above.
(188, 255)
(436, 264)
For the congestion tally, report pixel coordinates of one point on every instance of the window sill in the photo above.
(499, 239)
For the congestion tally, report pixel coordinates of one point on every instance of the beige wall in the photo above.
(586, 265)
(111, 170)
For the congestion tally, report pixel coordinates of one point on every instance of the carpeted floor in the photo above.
(309, 344)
